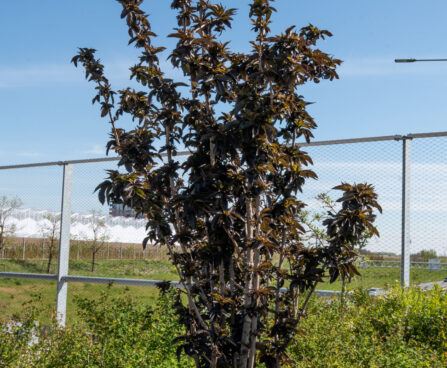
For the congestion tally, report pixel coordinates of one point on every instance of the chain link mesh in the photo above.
(428, 206)
(378, 163)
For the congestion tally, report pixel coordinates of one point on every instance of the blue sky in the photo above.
(45, 102)
(46, 113)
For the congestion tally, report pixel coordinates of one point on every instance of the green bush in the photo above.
(401, 329)
(14, 340)
(113, 332)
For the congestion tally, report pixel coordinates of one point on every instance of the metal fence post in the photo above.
(23, 248)
(64, 245)
(405, 253)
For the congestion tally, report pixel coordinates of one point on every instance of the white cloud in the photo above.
(97, 149)
(48, 74)
(118, 71)
(8, 155)
(356, 165)
(28, 154)
(385, 66)
(33, 75)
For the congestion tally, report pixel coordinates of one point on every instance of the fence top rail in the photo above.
(427, 135)
(353, 140)
(395, 137)
(73, 162)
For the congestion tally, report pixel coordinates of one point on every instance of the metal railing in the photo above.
(62, 277)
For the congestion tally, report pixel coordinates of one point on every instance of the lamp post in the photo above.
(414, 60)
(405, 252)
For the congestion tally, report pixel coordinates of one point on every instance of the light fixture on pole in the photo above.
(414, 60)
(405, 258)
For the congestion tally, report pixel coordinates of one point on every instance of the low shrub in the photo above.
(16, 338)
(113, 332)
(404, 328)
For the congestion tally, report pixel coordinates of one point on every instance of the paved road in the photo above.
(429, 285)
(424, 285)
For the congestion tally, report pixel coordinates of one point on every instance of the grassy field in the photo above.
(14, 292)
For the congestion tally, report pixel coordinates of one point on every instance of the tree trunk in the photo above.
(50, 258)
(2, 245)
(93, 261)
(247, 324)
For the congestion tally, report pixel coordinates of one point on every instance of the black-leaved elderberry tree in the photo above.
(229, 214)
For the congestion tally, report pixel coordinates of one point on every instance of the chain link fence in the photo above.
(428, 223)
(378, 162)
(409, 174)
(381, 163)
(39, 192)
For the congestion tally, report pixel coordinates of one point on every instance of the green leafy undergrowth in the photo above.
(404, 328)
(114, 332)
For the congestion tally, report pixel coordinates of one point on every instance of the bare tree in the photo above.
(98, 236)
(7, 229)
(51, 232)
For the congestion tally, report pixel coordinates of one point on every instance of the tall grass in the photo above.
(37, 248)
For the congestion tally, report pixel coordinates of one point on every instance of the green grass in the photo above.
(144, 269)
(14, 292)
(377, 277)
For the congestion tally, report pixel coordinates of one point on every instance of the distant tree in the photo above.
(229, 214)
(98, 236)
(51, 232)
(75, 241)
(7, 229)
(424, 255)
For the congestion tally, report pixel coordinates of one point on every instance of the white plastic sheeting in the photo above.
(32, 223)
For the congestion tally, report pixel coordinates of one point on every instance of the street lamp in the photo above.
(414, 60)
(404, 272)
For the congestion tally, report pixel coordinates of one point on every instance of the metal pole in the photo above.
(43, 248)
(23, 248)
(64, 245)
(412, 60)
(121, 252)
(405, 253)
(108, 251)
